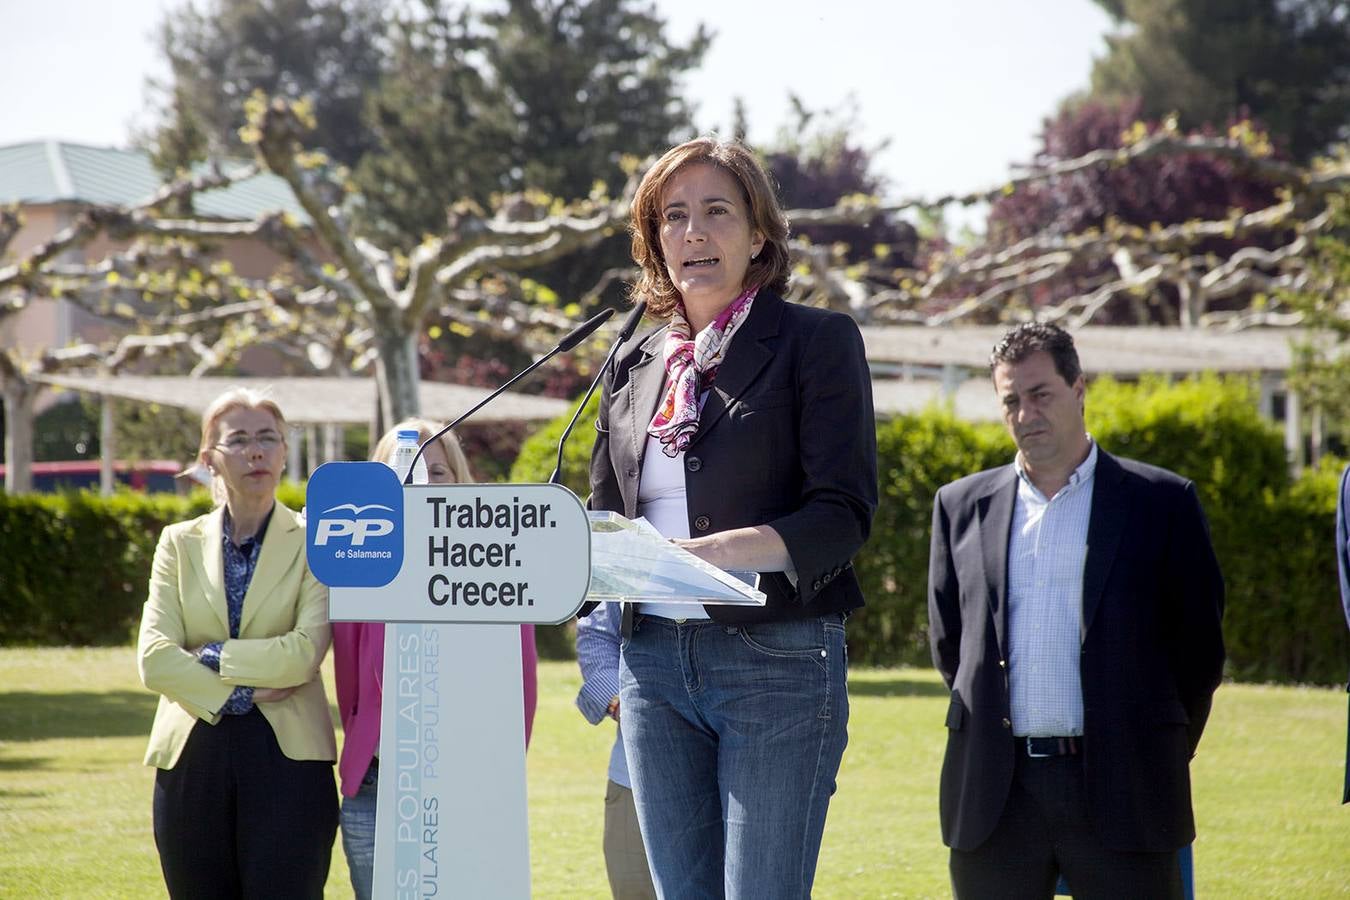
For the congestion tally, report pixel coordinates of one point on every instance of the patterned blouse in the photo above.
(240, 561)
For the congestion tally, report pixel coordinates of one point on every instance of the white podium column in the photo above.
(453, 571)
(452, 800)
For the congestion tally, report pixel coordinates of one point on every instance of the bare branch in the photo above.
(10, 223)
(553, 245)
(215, 176)
(608, 277)
(863, 210)
(80, 232)
(281, 132)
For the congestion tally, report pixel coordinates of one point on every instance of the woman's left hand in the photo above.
(271, 695)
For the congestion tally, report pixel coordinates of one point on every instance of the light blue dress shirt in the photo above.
(598, 656)
(1046, 554)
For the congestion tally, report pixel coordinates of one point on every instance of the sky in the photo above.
(957, 90)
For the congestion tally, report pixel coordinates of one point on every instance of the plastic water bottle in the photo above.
(404, 451)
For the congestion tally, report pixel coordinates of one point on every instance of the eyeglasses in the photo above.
(238, 443)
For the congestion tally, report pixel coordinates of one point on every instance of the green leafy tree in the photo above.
(440, 108)
(532, 101)
(589, 81)
(441, 129)
(1285, 63)
(325, 50)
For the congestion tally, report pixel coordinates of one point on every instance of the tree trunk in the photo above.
(377, 423)
(19, 396)
(1192, 297)
(107, 440)
(397, 370)
(332, 443)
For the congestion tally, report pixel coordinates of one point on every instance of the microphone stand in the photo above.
(629, 326)
(576, 336)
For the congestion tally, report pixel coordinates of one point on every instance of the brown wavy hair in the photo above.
(769, 269)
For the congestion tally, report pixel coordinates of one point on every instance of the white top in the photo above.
(663, 502)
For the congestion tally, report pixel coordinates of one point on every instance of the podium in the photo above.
(454, 570)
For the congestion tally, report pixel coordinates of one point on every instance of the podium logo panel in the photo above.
(472, 553)
(354, 524)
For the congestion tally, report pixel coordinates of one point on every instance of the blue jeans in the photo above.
(734, 736)
(358, 833)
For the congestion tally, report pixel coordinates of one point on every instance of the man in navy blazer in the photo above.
(1075, 607)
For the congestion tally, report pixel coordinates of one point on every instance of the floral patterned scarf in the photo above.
(691, 367)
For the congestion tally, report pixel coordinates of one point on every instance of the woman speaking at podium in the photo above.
(742, 428)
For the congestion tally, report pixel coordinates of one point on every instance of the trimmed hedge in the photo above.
(1204, 428)
(539, 454)
(916, 455)
(74, 566)
(1284, 621)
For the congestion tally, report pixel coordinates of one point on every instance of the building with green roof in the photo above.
(52, 172)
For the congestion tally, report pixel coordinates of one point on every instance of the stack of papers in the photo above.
(631, 562)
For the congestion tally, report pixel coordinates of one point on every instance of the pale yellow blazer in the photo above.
(283, 635)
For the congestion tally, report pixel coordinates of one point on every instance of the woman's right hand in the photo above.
(271, 695)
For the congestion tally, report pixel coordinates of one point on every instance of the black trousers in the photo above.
(237, 818)
(1044, 832)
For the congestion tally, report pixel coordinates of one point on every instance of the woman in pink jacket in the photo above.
(358, 663)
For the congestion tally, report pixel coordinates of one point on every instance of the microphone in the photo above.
(630, 325)
(574, 337)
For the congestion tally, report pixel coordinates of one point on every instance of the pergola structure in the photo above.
(913, 367)
(316, 406)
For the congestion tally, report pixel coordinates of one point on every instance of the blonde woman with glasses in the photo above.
(231, 638)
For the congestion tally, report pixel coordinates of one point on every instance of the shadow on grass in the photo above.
(897, 687)
(31, 716)
(22, 795)
(22, 764)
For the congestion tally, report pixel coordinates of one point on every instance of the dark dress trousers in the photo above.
(751, 462)
(1151, 653)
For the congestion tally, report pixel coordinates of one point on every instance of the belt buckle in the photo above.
(1033, 754)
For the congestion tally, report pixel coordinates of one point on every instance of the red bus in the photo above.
(76, 474)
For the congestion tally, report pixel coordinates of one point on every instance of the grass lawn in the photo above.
(75, 800)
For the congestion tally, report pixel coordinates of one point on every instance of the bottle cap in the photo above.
(409, 434)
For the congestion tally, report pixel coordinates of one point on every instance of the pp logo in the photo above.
(357, 529)
(354, 524)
